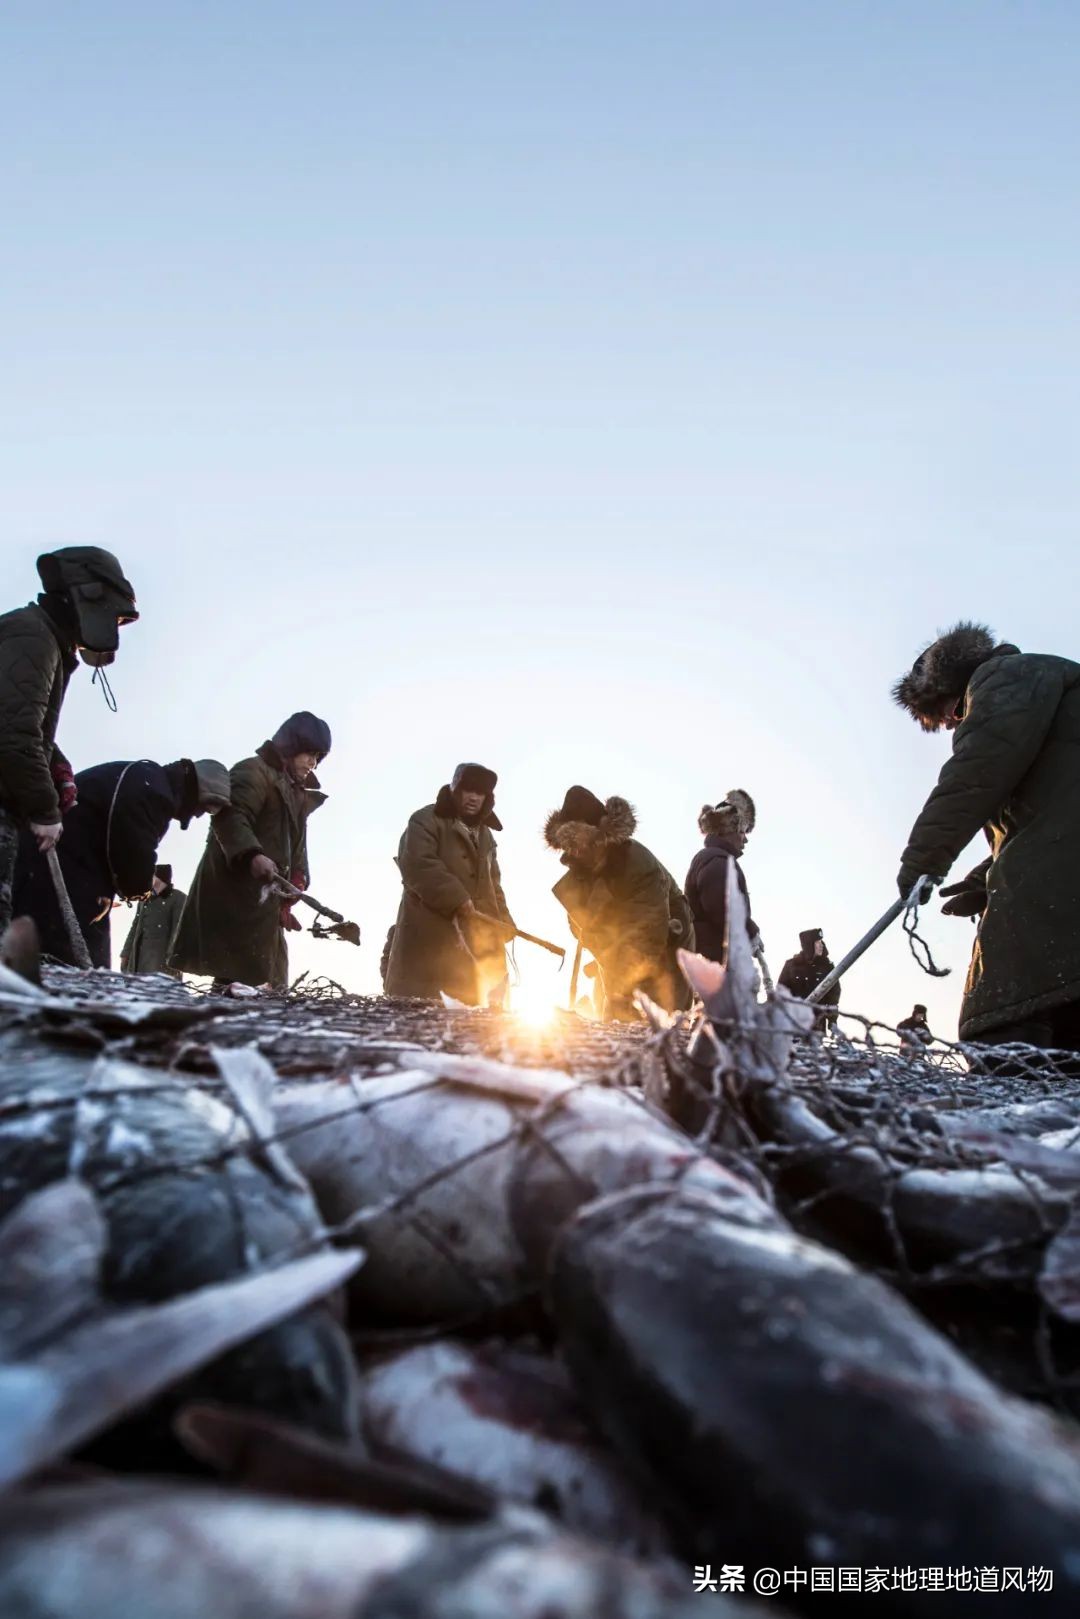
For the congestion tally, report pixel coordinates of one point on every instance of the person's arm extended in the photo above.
(1012, 703)
(234, 826)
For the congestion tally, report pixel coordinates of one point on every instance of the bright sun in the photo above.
(534, 1005)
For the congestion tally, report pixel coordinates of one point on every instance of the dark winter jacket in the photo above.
(227, 930)
(630, 913)
(1015, 770)
(37, 657)
(706, 893)
(914, 1031)
(147, 946)
(109, 849)
(802, 974)
(443, 863)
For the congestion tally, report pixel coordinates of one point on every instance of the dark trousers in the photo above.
(9, 848)
(1056, 1030)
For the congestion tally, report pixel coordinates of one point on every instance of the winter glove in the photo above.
(964, 899)
(47, 834)
(288, 920)
(906, 882)
(64, 781)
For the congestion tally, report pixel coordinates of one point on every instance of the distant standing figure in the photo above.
(227, 929)
(147, 946)
(914, 1032)
(726, 826)
(450, 879)
(802, 974)
(110, 844)
(624, 906)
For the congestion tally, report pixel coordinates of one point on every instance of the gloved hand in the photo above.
(757, 945)
(964, 899)
(906, 882)
(590, 969)
(47, 836)
(64, 781)
(288, 920)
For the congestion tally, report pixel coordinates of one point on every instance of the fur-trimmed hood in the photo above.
(446, 809)
(944, 671)
(616, 825)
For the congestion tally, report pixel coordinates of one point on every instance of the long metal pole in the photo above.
(879, 927)
(74, 931)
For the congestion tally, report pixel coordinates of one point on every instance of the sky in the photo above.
(612, 393)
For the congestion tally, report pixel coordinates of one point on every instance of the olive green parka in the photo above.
(1015, 771)
(226, 930)
(443, 863)
(628, 912)
(153, 932)
(36, 663)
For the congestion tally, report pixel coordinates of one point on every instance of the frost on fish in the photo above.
(183, 1207)
(512, 1421)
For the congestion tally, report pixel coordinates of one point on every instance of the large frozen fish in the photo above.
(85, 1366)
(456, 1174)
(511, 1421)
(766, 1386)
(184, 1207)
(139, 1550)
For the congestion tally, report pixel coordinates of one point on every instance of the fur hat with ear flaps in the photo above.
(944, 669)
(735, 813)
(584, 822)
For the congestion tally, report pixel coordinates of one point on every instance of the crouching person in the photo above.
(110, 844)
(453, 922)
(1015, 772)
(228, 930)
(153, 932)
(623, 905)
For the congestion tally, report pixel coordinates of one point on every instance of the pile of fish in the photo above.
(316, 1306)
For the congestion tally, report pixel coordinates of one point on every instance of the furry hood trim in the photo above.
(616, 824)
(944, 671)
(736, 812)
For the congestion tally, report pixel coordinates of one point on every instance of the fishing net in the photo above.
(950, 1170)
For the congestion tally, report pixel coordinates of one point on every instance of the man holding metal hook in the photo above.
(453, 924)
(232, 929)
(83, 604)
(1015, 772)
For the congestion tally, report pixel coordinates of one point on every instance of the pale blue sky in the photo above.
(612, 392)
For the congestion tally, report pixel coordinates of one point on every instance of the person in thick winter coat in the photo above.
(801, 974)
(147, 946)
(110, 845)
(228, 930)
(726, 826)
(1015, 773)
(623, 905)
(914, 1031)
(85, 601)
(451, 881)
